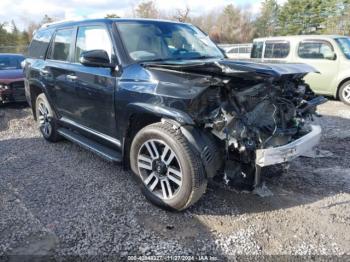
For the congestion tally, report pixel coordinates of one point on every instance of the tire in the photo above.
(154, 168)
(344, 93)
(46, 119)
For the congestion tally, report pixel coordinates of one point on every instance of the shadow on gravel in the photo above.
(94, 207)
(18, 107)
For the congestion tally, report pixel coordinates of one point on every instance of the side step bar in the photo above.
(101, 150)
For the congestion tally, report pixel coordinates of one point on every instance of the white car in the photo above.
(328, 54)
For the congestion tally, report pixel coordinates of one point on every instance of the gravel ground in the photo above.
(58, 199)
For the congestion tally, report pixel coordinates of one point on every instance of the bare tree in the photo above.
(183, 15)
(147, 9)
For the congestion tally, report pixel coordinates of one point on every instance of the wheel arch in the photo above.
(201, 142)
(139, 115)
(35, 89)
(340, 85)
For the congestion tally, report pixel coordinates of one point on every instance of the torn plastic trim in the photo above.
(281, 154)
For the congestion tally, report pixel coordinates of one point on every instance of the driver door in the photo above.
(94, 86)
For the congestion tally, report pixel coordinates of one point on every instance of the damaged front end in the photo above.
(259, 115)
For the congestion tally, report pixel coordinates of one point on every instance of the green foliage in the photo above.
(267, 22)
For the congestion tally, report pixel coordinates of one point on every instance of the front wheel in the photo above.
(344, 93)
(171, 173)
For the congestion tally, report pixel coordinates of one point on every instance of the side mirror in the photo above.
(96, 58)
(330, 55)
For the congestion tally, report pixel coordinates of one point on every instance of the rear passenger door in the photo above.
(57, 73)
(95, 86)
(318, 54)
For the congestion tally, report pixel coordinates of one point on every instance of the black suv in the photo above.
(161, 98)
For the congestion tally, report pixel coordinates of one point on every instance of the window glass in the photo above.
(92, 38)
(315, 50)
(40, 43)
(62, 44)
(257, 50)
(344, 44)
(149, 41)
(276, 49)
(242, 50)
(233, 51)
(8, 62)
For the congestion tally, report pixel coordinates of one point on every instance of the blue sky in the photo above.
(24, 11)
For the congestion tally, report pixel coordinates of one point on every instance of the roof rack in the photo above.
(57, 22)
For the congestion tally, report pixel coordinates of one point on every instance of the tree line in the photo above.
(230, 24)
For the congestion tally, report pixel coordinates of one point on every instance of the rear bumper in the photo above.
(277, 155)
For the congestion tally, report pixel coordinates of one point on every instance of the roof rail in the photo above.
(56, 23)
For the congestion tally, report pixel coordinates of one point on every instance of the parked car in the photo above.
(161, 98)
(239, 51)
(11, 78)
(329, 54)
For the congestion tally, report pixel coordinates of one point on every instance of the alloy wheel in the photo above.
(346, 93)
(44, 120)
(159, 169)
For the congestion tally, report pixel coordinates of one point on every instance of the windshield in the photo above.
(8, 62)
(158, 41)
(344, 44)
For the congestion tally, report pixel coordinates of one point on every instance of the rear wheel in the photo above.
(171, 173)
(344, 93)
(46, 119)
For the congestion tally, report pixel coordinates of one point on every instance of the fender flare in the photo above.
(160, 111)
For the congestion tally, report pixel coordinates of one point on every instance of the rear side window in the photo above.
(276, 49)
(62, 45)
(39, 44)
(315, 49)
(257, 50)
(92, 38)
(233, 51)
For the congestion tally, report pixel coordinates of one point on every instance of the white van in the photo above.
(239, 51)
(329, 54)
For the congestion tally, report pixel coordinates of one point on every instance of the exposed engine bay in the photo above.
(248, 115)
(251, 108)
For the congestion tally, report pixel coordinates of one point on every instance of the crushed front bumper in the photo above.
(281, 154)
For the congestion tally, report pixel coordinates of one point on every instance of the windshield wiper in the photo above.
(199, 57)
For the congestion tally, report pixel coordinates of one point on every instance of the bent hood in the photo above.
(229, 67)
(8, 76)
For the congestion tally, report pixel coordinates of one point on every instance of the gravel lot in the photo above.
(58, 199)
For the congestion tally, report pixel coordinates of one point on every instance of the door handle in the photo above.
(72, 77)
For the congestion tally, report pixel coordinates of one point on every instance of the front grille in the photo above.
(17, 84)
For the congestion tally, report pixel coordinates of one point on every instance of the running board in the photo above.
(101, 150)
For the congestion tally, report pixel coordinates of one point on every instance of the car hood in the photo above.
(187, 79)
(230, 67)
(8, 76)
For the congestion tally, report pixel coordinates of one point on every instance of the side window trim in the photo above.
(113, 54)
(51, 47)
(314, 40)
